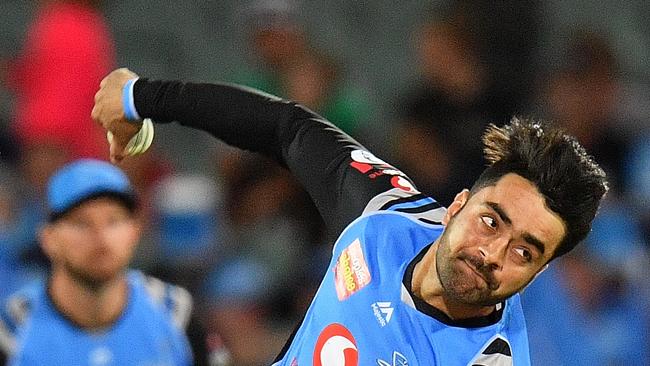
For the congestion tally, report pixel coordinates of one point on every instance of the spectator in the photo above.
(265, 232)
(583, 97)
(236, 308)
(17, 237)
(598, 312)
(185, 228)
(68, 48)
(288, 66)
(446, 106)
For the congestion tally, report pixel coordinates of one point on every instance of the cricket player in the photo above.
(409, 282)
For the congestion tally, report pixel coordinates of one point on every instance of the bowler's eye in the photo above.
(489, 221)
(525, 254)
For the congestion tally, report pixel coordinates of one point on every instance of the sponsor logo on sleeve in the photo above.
(368, 164)
(351, 272)
(336, 346)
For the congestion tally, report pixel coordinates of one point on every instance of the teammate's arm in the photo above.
(340, 181)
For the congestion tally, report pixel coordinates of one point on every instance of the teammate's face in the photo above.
(94, 242)
(496, 241)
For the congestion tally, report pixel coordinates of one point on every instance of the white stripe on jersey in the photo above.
(396, 195)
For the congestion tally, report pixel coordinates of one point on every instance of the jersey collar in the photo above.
(428, 309)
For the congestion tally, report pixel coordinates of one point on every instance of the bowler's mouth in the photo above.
(476, 266)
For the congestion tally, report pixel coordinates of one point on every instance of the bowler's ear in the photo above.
(459, 201)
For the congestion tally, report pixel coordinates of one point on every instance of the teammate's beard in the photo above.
(91, 281)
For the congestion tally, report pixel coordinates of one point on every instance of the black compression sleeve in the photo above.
(315, 151)
(239, 116)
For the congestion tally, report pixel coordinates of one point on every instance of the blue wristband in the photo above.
(128, 103)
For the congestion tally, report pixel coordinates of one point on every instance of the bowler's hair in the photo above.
(570, 181)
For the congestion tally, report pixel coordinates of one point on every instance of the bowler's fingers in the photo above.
(116, 152)
(95, 114)
(109, 112)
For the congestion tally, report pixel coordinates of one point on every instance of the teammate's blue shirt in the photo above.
(363, 314)
(149, 332)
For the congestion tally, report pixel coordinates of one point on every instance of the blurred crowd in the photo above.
(240, 233)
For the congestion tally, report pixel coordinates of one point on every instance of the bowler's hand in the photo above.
(109, 112)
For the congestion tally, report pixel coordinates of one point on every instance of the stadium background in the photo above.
(238, 232)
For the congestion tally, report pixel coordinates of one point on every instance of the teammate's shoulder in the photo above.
(416, 205)
(16, 311)
(174, 300)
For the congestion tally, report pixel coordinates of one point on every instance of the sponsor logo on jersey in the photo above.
(383, 312)
(370, 165)
(398, 360)
(351, 272)
(336, 346)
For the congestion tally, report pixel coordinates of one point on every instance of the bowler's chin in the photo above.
(463, 286)
(476, 297)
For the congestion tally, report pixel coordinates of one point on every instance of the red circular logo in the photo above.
(336, 347)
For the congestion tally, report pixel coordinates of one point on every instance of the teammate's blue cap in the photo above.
(86, 179)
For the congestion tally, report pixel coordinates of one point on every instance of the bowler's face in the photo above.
(94, 242)
(496, 241)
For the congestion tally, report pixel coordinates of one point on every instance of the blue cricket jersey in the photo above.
(364, 314)
(149, 332)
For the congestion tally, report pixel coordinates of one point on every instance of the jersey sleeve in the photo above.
(7, 338)
(176, 301)
(13, 315)
(341, 176)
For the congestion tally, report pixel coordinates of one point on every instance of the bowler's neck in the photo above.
(426, 285)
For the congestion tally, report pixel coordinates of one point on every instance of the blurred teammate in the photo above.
(93, 310)
(409, 283)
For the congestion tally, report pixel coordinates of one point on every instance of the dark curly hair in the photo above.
(570, 181)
